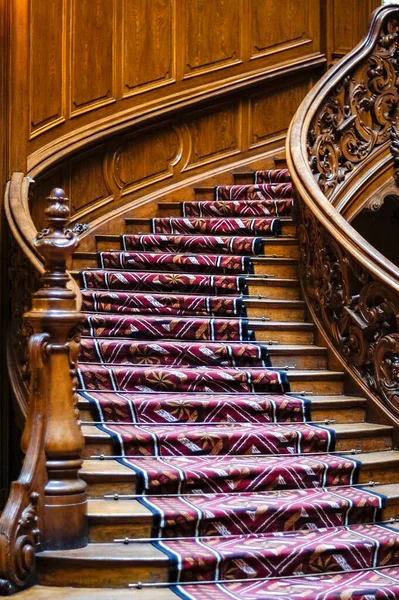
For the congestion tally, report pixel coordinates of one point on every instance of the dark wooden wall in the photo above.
(183, 86)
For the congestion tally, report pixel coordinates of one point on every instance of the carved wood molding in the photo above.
(352, 290)
(359, 314)
(357, 115)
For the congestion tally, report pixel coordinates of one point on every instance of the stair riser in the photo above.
(277, 270)
(375, 443)
(299, 361)
(276, 314)
(103, 532)
(79, 264)
(275, 248)
(282, 272)
(97, 573)
(285, 337)
(354, 415)
(317, 387)
(97, 489)
(266, 289)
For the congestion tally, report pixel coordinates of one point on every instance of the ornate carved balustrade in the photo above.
(47, 506)
(342, 135)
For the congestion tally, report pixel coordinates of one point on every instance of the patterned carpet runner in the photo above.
(241, 484)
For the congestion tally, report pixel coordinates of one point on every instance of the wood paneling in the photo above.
(214, 133)
(46, 48)
(212, 35)
(87, 187)
(143, 159)
(270, 114)
(148, 59)
(134, 163)
(93, 34)
(275, 26)
(347, 23)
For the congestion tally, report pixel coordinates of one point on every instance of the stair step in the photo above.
(343, 409)
(43, 592)
(362, 436)
(118, 564)
(110, 519)
(282, 268)
(102, 565)
(111, 477)
(143, 225)
(276, 309)
(277, 247)
(339, 408)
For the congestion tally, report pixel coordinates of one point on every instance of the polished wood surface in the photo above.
(352, 290)
(47, 505)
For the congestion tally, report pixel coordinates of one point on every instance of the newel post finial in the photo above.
(54, 315)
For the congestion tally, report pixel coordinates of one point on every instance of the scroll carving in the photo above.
(357, 115)
(359, 314)
(50, 473)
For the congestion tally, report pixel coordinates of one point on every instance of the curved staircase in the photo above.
(223, 457)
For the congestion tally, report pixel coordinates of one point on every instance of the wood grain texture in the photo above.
(204, 51)
(92, 59)
(148, 39)
(281, 102)
(144, 158)
(274, 28)
(138, 161)
(348, 21)
(214, 133)
(47, 47)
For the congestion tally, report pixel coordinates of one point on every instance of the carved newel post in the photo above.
(54, 313)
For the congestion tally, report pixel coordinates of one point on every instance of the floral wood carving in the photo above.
(359, 315)
(357, 115)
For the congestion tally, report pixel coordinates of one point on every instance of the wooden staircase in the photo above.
(278, 315)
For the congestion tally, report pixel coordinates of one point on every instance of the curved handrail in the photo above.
(352, 290)
(298, 158)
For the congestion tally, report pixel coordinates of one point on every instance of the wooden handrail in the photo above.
(352, 290)
(47, 506)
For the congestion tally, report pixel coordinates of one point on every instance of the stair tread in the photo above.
(42, 592)
(132, 508)
(341, 429)
(113, 552)
(112, 468)
(336, 400)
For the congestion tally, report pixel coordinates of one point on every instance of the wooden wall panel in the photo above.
(86, 184)
(347, 22)
(92, 60)
(274, 25)
(271, 113)
(148, 35)
(93, 37)
(144, 158)
(47, 48)
(214, 134)
(212, 35)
